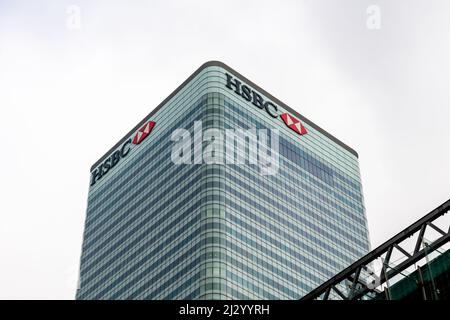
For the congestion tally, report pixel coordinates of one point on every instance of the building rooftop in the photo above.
(241, 77)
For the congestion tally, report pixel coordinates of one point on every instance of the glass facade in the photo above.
(159, 230)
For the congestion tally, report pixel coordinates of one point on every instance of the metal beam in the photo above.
(380, 250)
(409, 262)
(327, 294)
(339, 293)
(355, 281)
(436, 228)
(387, 258)
(420, 238)
(402, 250)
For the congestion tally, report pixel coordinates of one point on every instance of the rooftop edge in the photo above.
(215, 63)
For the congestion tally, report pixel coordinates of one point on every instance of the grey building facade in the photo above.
(159, 230)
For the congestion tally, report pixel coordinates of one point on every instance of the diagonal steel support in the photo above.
(355, 282)
(339, 293)
(436, 228)
(402, 250)
(327, 294)
(388, 255)
(420, 238)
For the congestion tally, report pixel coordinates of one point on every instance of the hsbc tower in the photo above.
(157, 229)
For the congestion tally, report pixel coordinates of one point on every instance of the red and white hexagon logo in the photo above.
(294, 124)
(143, 132)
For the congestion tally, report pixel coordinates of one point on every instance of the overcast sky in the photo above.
(75, 76)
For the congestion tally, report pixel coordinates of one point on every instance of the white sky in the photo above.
(67, 95)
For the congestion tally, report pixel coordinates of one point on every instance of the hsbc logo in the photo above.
(293, 123)
(121, 153)
(143, 132)
(257, 100)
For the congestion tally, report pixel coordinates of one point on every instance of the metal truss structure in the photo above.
(360, 281)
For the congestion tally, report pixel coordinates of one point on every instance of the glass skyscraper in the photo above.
(159, 230)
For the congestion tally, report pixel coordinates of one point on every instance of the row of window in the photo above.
(113, 247)
(310, 157)
(159, 196)
(294, 194)
(289, 150)
(140, 283)
(297, 162)
(157, 187)
(164, 246)
(126, 213)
